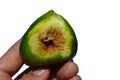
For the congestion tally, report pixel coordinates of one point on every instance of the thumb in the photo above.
(36, 74)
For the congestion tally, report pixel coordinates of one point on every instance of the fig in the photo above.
(49, 41)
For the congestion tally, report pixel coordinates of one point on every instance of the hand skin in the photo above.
(11, 62)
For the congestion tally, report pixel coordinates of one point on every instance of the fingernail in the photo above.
(39, 72)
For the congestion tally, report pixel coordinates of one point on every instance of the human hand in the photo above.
(11, 62)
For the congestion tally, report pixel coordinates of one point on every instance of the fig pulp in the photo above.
(49, 41)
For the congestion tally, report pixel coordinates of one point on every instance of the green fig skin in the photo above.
(31, 47)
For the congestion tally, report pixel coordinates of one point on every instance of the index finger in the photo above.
(11, 61)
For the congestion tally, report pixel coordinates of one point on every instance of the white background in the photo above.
(95, 22)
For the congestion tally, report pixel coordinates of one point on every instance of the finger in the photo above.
(75, 78)
(36, 74)
(69, 70)
(11, 61)
(4, 76)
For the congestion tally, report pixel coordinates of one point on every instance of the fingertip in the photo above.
(75, 78)
(44, 72)
(68, 70)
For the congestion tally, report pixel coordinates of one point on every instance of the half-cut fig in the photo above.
(49, 41)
